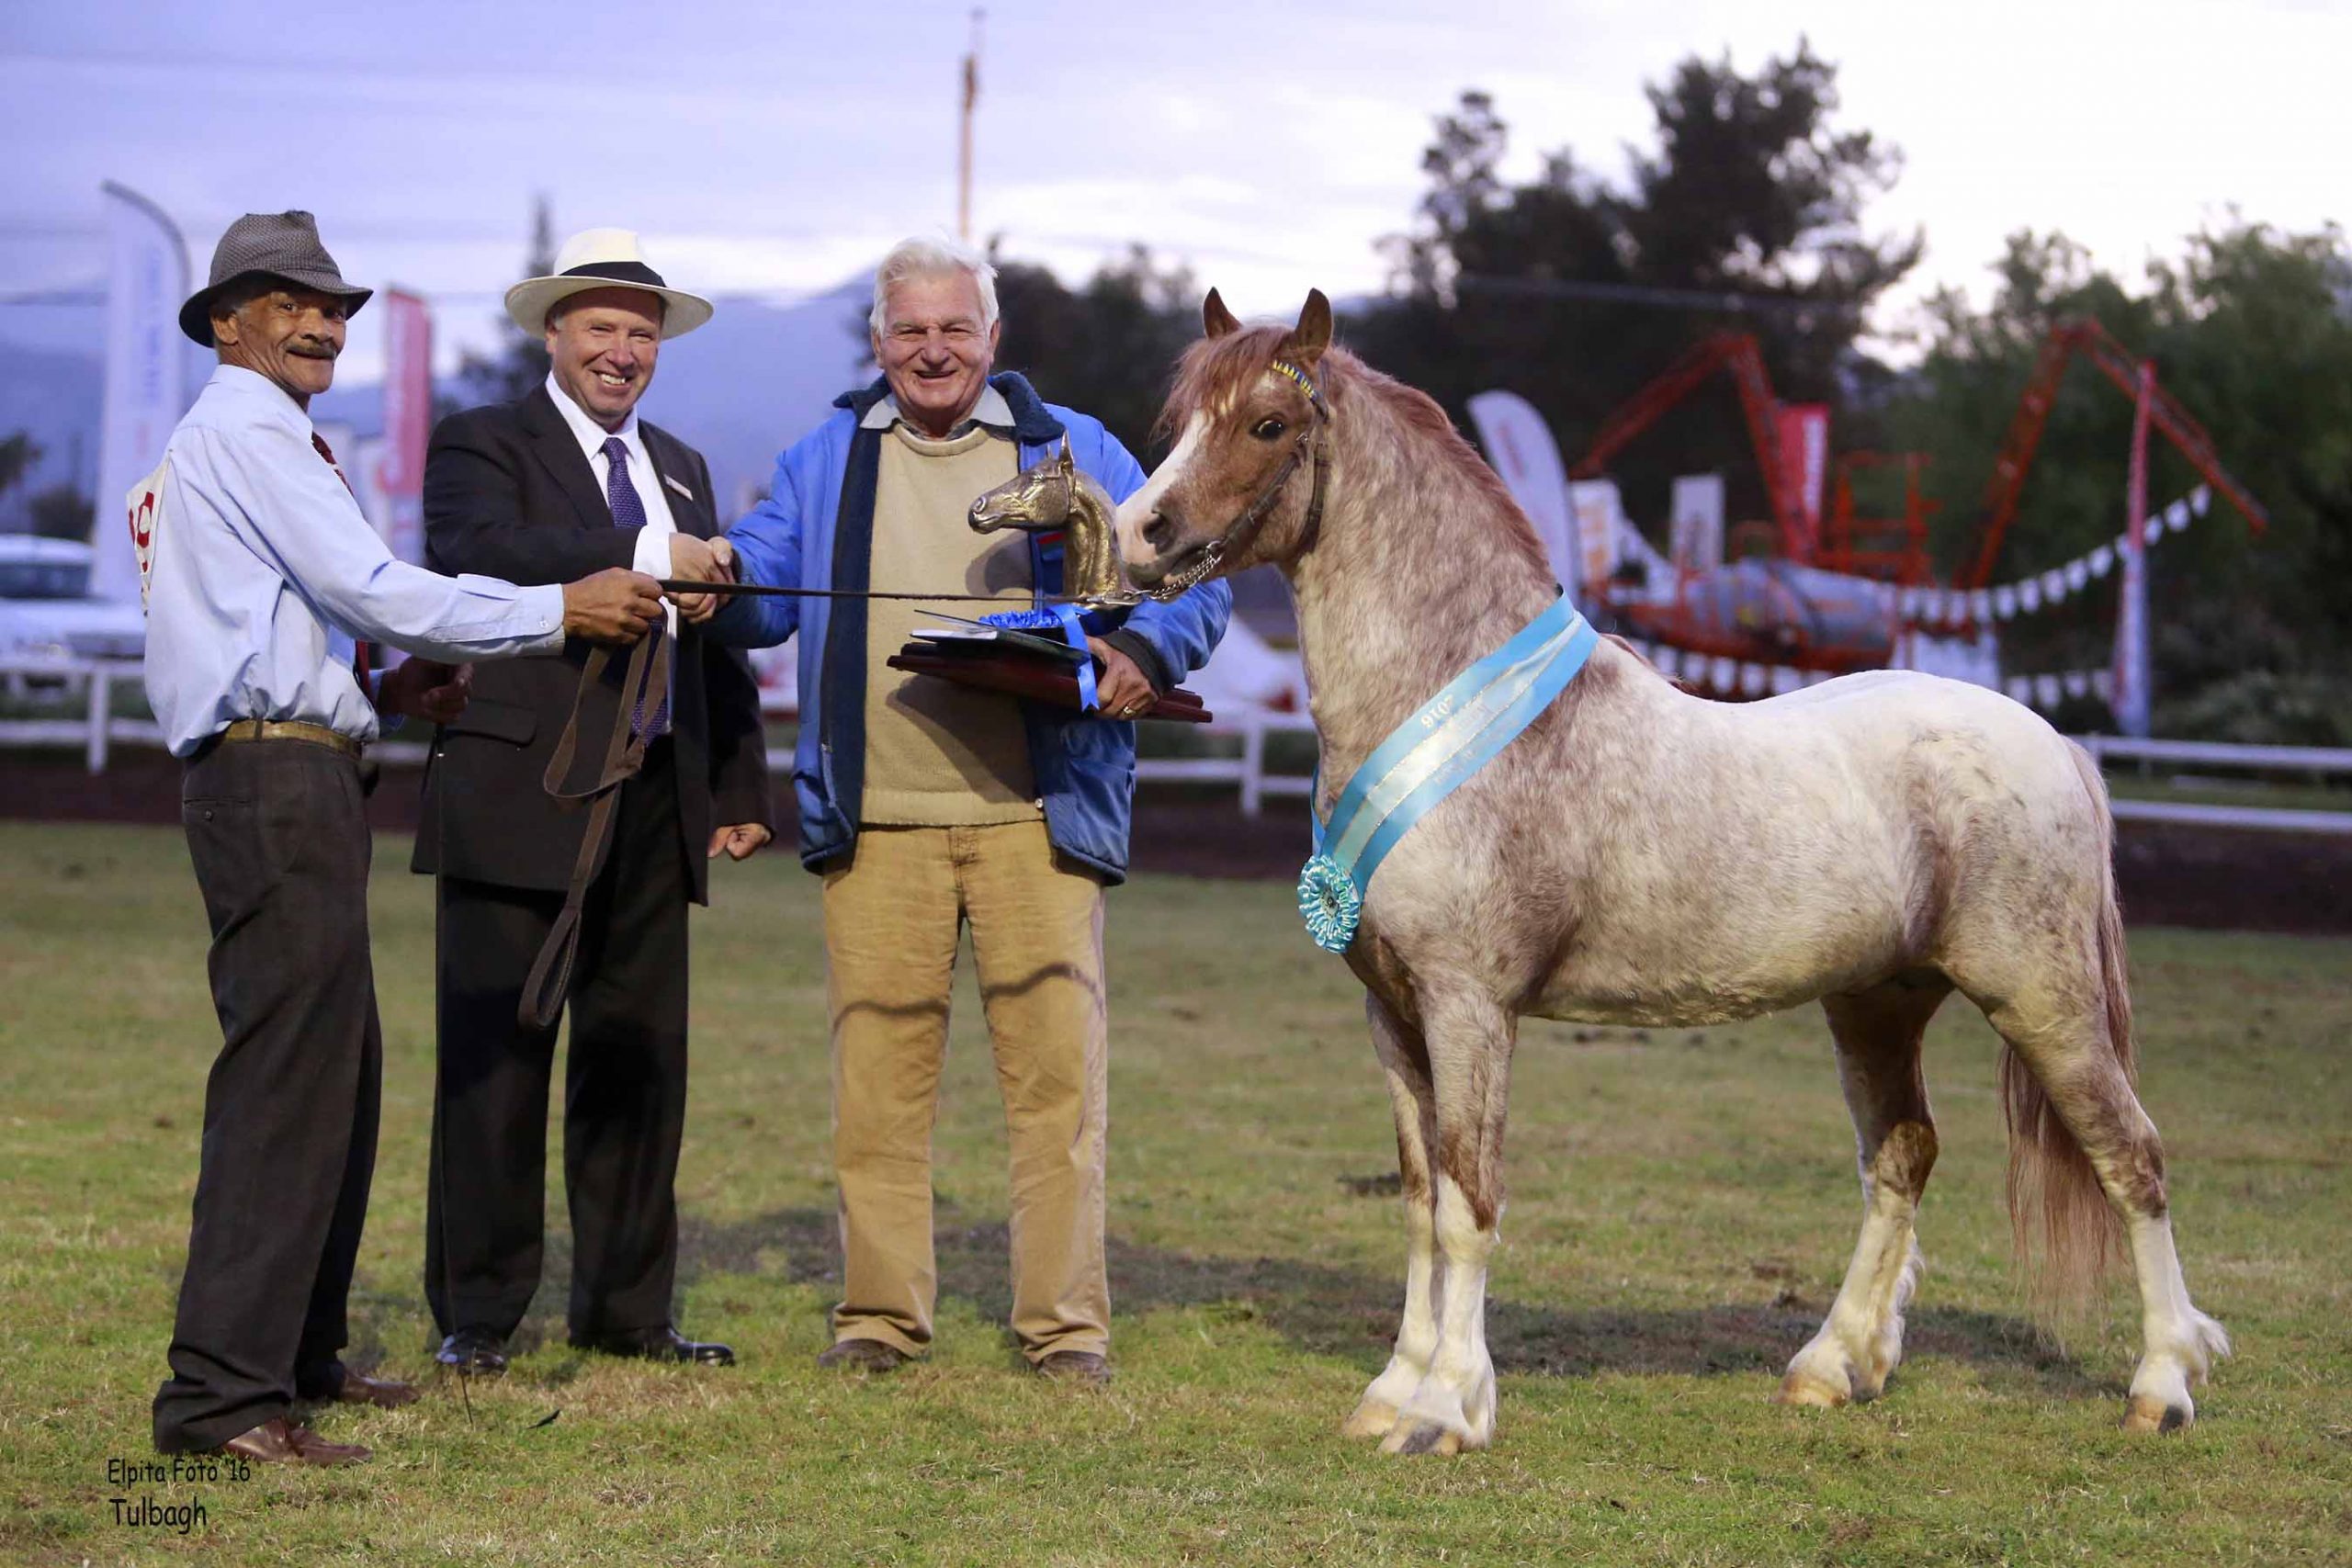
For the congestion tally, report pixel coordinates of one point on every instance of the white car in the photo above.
(45, 608)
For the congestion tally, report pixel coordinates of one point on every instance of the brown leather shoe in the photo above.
(385, 1394)
(281, 1441)
(864, 1356)
(1076, 1367)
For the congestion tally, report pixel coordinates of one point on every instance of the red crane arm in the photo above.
(2017, 448)
(1737, 352)
(1641, 410)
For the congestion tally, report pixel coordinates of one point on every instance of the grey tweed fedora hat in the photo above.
(273, 244)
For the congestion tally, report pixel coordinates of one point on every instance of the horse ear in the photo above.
(1066, 461)
(1313, 335)
(1217, 317)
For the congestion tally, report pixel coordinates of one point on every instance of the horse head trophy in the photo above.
(1057, 494)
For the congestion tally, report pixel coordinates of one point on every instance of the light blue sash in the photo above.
(1452, 736)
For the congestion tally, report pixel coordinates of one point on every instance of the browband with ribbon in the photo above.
(1448, 738)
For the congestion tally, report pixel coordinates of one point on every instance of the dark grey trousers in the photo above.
(279, 839)
(624, 1097)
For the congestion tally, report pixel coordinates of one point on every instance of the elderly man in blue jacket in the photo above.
(927, 804)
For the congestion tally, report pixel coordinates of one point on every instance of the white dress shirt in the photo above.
(653, 541)
(262, 570)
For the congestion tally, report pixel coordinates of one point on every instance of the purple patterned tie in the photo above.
(628, 512)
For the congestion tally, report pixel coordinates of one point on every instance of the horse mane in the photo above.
(1215, 371)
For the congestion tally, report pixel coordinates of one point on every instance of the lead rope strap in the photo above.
(648, 673)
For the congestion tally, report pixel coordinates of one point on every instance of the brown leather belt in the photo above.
(288, 729)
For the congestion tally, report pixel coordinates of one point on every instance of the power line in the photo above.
(1728, 300)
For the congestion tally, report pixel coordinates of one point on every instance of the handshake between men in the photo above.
(615, 605)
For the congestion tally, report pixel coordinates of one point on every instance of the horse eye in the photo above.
(1267, 429)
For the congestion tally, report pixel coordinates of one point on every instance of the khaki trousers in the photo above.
(892, 922)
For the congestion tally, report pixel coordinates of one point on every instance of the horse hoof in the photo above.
(1800, 1388)
(2146, 1414)
(1372, 1418)
(1422, 1437)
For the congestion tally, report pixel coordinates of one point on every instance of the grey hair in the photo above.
(932, 257)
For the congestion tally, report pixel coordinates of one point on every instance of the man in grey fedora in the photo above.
(264, 586)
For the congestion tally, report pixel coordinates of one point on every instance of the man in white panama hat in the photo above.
(567, 475)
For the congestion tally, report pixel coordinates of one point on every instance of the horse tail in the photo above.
(2067, 1232)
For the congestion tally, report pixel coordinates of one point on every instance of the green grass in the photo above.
(1681, 1205)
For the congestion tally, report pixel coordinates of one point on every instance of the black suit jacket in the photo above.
(508, 493)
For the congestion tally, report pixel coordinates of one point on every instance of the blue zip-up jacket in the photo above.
(816, 530)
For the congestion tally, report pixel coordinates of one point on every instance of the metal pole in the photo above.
(963, 136)
(2132, 671)
(101, 712)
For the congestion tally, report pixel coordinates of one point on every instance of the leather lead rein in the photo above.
(645, 679)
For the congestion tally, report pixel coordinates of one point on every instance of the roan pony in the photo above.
(1641, 856)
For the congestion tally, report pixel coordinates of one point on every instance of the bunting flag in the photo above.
(1712, 676)
(1929, 607)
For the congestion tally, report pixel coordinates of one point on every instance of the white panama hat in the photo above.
(603, 258)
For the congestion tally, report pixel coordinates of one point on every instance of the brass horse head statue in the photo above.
(1056, 493)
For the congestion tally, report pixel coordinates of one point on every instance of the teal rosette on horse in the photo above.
(1329, 903)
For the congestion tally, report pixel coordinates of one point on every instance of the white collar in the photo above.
(991, 411)
(587, 432)
(238, 381)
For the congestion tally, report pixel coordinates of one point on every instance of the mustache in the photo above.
(312, 348)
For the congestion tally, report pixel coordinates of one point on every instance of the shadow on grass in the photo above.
(1318, 1307)
(1327, 1310)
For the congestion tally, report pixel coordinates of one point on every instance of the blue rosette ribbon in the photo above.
(1329, 903)
(1063, 618)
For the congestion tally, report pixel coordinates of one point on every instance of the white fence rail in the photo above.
(2316, 762)
(88, 686)
(96, 728)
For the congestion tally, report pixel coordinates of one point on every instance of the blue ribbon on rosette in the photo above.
(1427, 757)
(1063, 618)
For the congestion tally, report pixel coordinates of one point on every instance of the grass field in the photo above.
(1682, 1206)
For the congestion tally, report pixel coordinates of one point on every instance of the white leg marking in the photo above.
(1375, 1414)
(2178, 1344)
(1453, 1408)
(1861, 1340)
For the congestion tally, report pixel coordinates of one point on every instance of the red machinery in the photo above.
(1735, 352)
(1807, 608)
(2097, 344)
(1803, 606)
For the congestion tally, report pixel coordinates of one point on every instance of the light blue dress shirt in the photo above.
(264, 572)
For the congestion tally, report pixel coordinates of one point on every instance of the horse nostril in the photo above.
(1159, 530)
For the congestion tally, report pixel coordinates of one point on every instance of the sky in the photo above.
(777, 148)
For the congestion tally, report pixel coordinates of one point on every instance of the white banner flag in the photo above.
(1520, 448)
(1698, 531)
(146, 373)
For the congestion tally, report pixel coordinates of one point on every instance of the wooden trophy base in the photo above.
(1027, 675)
